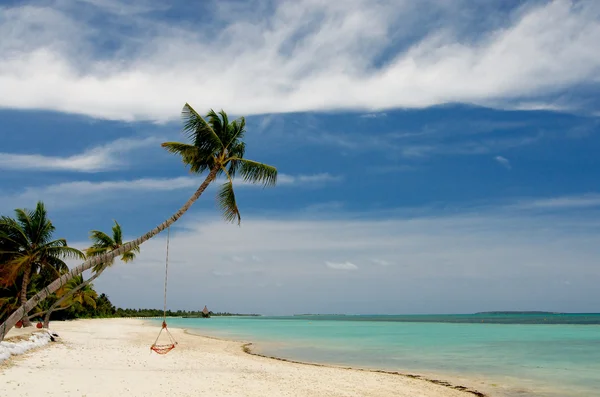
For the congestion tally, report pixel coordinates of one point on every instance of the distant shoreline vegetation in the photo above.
(177, 313)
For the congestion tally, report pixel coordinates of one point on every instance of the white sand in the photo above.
(112, 358)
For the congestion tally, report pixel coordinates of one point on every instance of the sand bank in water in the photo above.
(112, 357)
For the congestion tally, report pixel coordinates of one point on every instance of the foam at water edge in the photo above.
(8, 349)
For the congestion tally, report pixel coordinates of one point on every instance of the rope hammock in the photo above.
(165, 347)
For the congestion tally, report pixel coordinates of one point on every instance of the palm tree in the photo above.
(102, 243)
(29, 248)
(216, 147)
(76, 291)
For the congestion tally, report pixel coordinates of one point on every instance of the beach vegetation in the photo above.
(101, 243)
(29, 248)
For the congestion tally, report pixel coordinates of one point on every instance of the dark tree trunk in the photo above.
(24, 285)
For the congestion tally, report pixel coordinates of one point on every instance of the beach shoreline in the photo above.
(111, 356)
(246, 347)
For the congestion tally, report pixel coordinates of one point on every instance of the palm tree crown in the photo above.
(103, 243)
(28, 248)
(216, 145)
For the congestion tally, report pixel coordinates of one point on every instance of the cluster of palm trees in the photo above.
(215, 147)
(30, 257)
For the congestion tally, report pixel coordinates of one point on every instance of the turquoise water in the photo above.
(504, 355)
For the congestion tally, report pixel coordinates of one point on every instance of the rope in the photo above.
(166, 277)
(165, 348)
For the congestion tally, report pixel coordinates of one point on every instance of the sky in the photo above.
(434, 157)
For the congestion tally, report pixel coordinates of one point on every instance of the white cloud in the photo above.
(373, 115)
(483, 261)
(503, 161)
(380, 262)
(307, 179)
(100, 158)
(299, 56)
(70, 194)
(564, 202)
(341, 265)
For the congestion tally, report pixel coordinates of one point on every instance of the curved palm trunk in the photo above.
(88, 264)
(24, 285)
(46, 311)
(56, 305)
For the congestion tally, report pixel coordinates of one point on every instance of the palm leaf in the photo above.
(128, 256)
(117, 234)
(42, 226)
(197, 159)
(65, 252)
(257, 173)
(89, 301)
(101, 239)
(199, 131)
(227, 203)
(13, 232)
(236, 132)
(10, 270)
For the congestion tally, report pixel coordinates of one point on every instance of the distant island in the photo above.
(519, 312)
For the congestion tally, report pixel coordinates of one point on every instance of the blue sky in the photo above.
(434, 157)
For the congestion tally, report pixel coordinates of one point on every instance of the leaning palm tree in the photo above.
(102, 243)
(32, 249)
(215, 147)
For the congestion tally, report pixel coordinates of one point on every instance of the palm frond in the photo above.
(89, 301)
(227, 203)
(65, 252)
(54, 265)
(9, 271)
(23, 219)
(94, 251)
(199, 131)
(236, 152)
(117, 234)
(257, 173)
(217, 126)
(42, 226)
(236, 132)
(12, 230)
(128, 256)
(101, 239)
(197, 159)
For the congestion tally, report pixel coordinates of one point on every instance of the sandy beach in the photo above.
(112, 357)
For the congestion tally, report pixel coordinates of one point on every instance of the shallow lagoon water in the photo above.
(502, 354)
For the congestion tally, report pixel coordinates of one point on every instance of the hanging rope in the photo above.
(165, 347)
(166, 275)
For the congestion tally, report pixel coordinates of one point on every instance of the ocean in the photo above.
(504, 354)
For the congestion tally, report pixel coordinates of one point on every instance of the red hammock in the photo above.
(164, 348)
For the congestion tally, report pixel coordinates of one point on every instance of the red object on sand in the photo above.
(19, 324)
(39, 325)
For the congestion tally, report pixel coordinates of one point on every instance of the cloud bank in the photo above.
(102, 158)
(108, 59)
(76, 193)
(432, 264)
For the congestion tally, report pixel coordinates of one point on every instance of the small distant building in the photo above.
(205, 312)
